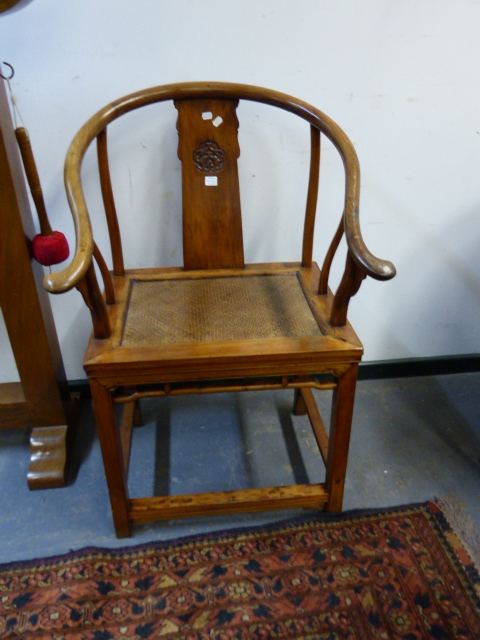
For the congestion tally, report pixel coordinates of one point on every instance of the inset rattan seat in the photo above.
(217, 309)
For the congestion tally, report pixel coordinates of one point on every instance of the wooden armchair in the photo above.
(217, 324)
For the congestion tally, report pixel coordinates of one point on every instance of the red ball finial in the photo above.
(50, 249)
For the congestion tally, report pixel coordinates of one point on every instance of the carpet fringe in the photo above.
(462, 524)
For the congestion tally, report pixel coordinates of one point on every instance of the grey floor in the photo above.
(413, 439)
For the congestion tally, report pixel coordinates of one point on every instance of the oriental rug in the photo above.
(400, 573)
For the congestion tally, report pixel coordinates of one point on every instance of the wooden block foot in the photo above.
(50, 449)
(48, 456)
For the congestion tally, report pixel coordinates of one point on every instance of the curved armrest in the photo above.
(75, 272)
(370, 264)
(366, 261)
(67, 279)
(70, 276)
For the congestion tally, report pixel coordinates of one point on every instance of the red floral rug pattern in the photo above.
(396, 574)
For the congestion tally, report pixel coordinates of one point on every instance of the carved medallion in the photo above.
(208, 157)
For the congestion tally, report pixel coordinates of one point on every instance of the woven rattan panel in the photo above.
(213, 309)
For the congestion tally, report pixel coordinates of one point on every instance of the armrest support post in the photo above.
(348, 287)
(92, 296)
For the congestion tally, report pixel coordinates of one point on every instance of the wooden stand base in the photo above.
(41, 400)
(48, 457)
(49, 446)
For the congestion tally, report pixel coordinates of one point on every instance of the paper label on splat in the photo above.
(211, 181)
(217, 122)
(207, 115)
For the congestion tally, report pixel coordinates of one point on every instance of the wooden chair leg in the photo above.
(137, 419)
(112, 457)
(136, 411)
(299, 406)
(339, 438)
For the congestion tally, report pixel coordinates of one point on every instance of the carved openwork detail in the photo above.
(209, 157)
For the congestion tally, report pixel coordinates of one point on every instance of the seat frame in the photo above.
(120, 374)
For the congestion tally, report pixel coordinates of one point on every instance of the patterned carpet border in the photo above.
(397, 573)
(436, 508)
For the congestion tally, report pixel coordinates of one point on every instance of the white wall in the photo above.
(400, 76)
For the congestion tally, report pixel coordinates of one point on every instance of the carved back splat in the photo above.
(208, 149)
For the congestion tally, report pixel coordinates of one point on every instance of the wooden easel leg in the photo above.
(112, 457)
(339, 438)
